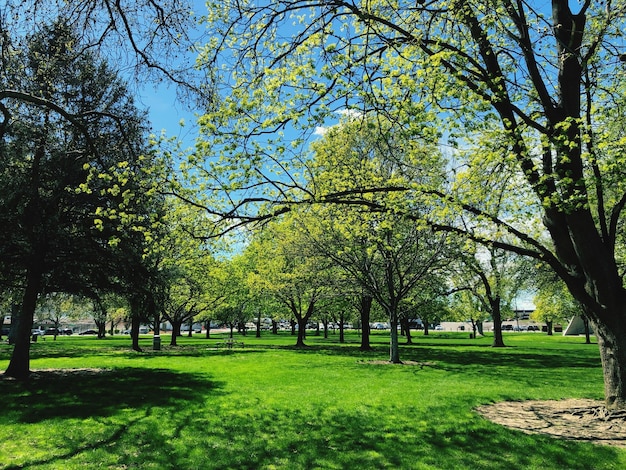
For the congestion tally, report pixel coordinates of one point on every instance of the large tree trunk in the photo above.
(587, 332)
(612, 344)
(342, 338)
(176, 324)
(406, 327)
(134, 331)
(301, 332)
(102, 329)
(19, 365)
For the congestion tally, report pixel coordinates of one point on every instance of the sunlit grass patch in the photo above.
(267, 405)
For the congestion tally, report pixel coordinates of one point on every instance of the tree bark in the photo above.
(406, 327)
(365, 310)
(175, 331)
(342, 338)
(498, 340)
(301, 333)
(587, 333)
(134, 331)
(19, 365)
(394, 349)
(613, 354)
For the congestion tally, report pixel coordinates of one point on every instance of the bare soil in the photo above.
(577, 419)
(44, 374)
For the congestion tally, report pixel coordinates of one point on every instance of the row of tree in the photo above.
(530, 100)
(93, 222)
(529, 96)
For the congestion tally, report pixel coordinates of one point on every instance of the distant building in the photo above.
(523, 314)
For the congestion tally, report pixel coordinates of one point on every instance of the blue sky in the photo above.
(166, 113)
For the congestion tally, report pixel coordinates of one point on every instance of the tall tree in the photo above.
(389, 255)
(536, 80)
(494, 277)
(553, 303)
(153, 41)
(68, 136)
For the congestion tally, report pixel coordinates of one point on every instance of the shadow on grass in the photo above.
(81, 394)
(323, 438)
(454, 356)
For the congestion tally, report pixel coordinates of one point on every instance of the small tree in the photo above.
(289, 270)
(553, 303)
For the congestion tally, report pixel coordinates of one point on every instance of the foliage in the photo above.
(73, 182)
(149, 40)
(386, 255)
(287, 268)
(519, 89)
(193, 278)
(553, 303)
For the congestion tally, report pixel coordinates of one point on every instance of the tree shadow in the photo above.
(463, 357)
(335, 438)
(84, 393)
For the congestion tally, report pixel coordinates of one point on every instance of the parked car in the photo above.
(533, 328)
(67, 331)
(439, 328)
(52, 332)
(88, 332)
(37, 332)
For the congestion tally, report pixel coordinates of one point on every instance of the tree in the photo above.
(56, 308)
(428, 303)
(465, 305)
(67, 140)
(193, 278)
(537, 84)
(288, 269)
(553, 302)
(148, 39)
(390, 256)
(493, 277)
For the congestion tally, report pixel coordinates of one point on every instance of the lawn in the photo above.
(269, 406)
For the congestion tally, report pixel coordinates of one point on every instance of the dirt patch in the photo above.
(42, 374)
(577, 419)
(403, 363)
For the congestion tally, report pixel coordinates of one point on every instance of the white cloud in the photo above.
(320, 130)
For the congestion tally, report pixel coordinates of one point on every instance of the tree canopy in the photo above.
(524, 86)
(72, 144)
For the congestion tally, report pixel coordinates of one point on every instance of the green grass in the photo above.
(268, 406)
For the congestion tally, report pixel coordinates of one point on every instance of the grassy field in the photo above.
(268, 406)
